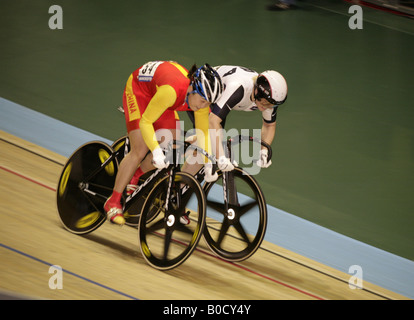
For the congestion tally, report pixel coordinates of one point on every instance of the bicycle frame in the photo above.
(229, 188)
(171, 169)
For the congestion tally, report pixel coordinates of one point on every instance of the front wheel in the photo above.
(235, 231)
(165, 239)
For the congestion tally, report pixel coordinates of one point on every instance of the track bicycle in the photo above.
(236, 209)
(155, 207)
(236, 218)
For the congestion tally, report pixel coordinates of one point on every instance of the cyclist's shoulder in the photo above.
(162, 71)
(234, 77)
(235, 72)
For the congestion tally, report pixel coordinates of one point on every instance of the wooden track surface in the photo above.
(107, 264)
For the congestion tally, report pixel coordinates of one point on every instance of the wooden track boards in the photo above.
(107, 264)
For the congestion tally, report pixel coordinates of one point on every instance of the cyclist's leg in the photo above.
(165, 129)
(193, 162)
(126, 170)
(138, 149)
(192, 165)
(145, 166)
(131, 161)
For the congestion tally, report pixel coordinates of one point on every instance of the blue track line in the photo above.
(68, 272)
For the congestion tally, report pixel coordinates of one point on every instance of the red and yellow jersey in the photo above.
(144, 83)
(152, 95)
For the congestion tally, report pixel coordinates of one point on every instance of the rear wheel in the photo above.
(121, 145)
(83, 187)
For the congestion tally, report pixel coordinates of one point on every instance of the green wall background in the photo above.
(344, 149)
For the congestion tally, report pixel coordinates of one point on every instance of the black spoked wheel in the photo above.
(84, 186)
(235, 232)
(166, 240)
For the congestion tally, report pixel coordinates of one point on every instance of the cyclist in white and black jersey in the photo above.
(239, 83)
(247, 90)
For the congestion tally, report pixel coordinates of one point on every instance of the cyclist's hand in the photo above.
(158, 159)
(225, 164)
(208, 173)
(262, 162)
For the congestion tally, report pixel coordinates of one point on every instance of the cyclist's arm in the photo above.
(269, 125)
(164, 98)
(268, 132)
(216, 134)
(202, 125)
(231, 97)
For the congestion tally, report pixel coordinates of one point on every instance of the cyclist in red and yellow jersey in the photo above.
(153, 94)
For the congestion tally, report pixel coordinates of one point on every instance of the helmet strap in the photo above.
(186, 98)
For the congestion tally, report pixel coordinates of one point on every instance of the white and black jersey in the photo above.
(238, 87)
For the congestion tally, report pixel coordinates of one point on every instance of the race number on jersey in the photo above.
(147, 71)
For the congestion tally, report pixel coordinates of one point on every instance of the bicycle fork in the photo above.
(229, 189)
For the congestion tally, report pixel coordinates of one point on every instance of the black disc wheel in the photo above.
(166, 240)
(234, 231)
(84, 185)
(121, 146)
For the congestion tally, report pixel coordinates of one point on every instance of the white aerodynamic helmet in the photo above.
(272, 86)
